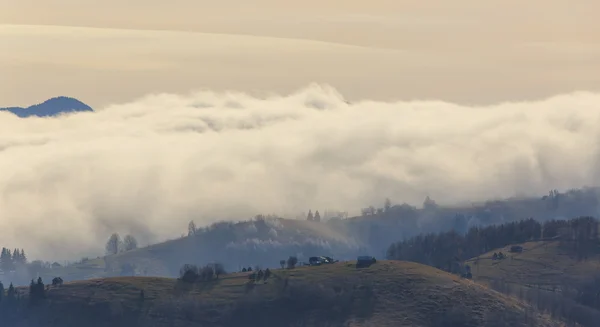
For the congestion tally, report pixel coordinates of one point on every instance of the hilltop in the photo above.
(50, 108)
(388, 293)
(265, 241)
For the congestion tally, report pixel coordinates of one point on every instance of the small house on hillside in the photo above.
(516, 249)
(314, 261)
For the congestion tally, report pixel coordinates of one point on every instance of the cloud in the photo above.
(149, 166)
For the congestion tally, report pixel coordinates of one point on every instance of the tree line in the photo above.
(9, 260)
(115, 245)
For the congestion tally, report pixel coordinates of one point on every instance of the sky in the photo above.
(211, 111)
(465, 51)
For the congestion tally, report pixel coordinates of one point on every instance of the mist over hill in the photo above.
(50, 108)
(150, 166)
(264, 241)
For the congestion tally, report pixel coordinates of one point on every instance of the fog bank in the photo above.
(149, 166)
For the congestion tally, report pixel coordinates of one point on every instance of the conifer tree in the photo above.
(317, 216)
(11, 295)
(6, 263)
(32, 290)
(40, 288)
(16, 255)
(23, 257)
(1, 292)
(310, 216)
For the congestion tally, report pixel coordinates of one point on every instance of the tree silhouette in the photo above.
(310, 217)
(192, 228)
(130, 243)
(317, 217)
(112, 245)
(219, 269)
(6, 262)
(11, 294)
(291, 262)
(387, 205)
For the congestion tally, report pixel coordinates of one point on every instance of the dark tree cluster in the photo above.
(37, 291)
(443, 250)
(9, 260)
(259, 275)
(115, 245)
(57, 281)
(316, 217)
(7, 297)
(191, 273)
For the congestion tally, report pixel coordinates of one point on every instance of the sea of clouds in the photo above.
(150, 166)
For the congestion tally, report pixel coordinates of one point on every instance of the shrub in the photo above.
(219, 269)
(291, 262)
(189, 273)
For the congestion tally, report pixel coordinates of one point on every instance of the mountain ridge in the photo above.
(50, 108)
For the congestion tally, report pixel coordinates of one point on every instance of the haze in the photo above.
(208, 111)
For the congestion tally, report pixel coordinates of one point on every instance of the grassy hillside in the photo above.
(385, 294)
(547, 275)
(542, 263)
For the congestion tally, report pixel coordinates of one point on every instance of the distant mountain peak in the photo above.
(50, 108)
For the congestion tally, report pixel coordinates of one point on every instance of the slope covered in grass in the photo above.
(385, 294)
(543, 263)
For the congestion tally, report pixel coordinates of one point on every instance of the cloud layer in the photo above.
(149, 166)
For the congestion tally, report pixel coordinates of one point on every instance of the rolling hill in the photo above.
(547, 274)
(50, 108)
(389, 293)
(544, 264)
(265, 241)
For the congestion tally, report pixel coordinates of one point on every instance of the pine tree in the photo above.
(310, 216)
(11, 295)
(16, 257)
(23, 257)
(32, 290)
(41, 292)
(317, 217)
(6, 263)
(2, 258)
(1, 292)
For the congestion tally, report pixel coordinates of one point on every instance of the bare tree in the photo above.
(219, 269)
(291, 262)
(192, 228)
(130, 243)
(112, 245)
(387, 205)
